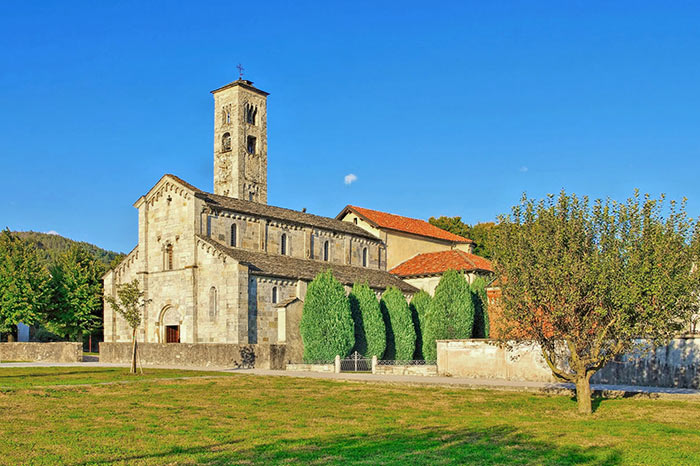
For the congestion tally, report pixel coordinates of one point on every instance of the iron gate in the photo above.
(355, 363)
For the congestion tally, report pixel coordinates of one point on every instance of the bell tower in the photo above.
(240, 141)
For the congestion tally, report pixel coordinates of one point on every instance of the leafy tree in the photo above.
(587, 281)
(23, 284)
(326, 325)
(370, 332)
(481, 304)
(130, 303)
(76, 284)
(419, 308)
(481, 233)
(400, 334)
(450, 314)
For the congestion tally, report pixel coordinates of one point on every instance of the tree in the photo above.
(130, 304)
(400, 334)
(326, 324)
(23, 284)
(450, 314)
(587, 282)
(370, 332)
(419, 308)
(481, 304)
(76, 284)
(481, 233)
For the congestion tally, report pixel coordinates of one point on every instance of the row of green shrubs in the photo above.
(334, 323)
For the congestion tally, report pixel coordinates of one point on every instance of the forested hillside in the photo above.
(50, 246)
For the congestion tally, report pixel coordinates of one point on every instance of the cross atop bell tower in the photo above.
(240, 140)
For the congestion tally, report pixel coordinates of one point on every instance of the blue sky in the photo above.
(443, 108)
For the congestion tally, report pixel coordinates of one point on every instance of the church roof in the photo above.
(273, 265)
(244, 83)
(436, 263)
(404, 224)
(278, 213)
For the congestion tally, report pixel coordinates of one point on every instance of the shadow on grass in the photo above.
(428, 445)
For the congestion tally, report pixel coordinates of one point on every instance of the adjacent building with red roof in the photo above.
(404, 237)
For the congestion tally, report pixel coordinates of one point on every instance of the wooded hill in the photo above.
(49, 246)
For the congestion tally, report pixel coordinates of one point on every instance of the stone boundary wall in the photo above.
(311, 367)
(195, 355)
(44, 352)
(424, 370)
(479, 359)
(676, 365)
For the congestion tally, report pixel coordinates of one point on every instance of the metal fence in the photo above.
(355, 363)
(410, 362)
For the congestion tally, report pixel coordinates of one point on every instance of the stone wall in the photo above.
(480, 359)
(195, 355)
(676, 365)
(311, 367)
(425, 370)
(45, 352)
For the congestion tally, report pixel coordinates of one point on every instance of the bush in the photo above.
(450, 313)
(481, 306)
(370, 331)
(419, 308)
(326, 323)
(400, 334)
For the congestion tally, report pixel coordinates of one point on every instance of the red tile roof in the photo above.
(405, 224)
(434, 263)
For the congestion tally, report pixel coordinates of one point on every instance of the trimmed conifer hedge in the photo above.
(400, 334)
(450, 313)
(370, 331)
(481, 312)
(419, 308)
(326, 325)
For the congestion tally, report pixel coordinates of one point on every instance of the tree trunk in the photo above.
(583, 394)
(133, 355)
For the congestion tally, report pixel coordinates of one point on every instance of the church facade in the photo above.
(219, 267)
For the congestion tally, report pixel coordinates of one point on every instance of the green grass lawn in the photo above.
(245, 419)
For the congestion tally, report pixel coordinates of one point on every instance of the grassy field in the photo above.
(244, 419)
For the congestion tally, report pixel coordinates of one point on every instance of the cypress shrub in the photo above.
(419, 307)
(326, 323)
(450, 313)
(400, 334)
(481, 306)
(370, 332)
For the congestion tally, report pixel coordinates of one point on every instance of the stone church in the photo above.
(223, 267)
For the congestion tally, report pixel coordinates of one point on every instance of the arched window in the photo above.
(250, 113)
(168, 258)
(379, 258)
(325, 250)
(274, 295)
(364, 257)
(213, 311)
(226, 142)
(234, 231)
(228, 117)
(283, 244)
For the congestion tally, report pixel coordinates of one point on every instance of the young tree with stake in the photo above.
(591, 282)
(130, 305)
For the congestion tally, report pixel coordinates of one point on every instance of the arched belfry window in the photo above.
(283, 244)
(234, 234)
(213, 310)
(251, 111)
(168, 257)
(226, 142)
(274, 295)
(326, 247)
(364, 257)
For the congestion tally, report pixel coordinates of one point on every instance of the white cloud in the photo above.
(523, 169)
(52, 232)
(350, 178)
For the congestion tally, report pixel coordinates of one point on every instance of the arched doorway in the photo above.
(170, 323)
